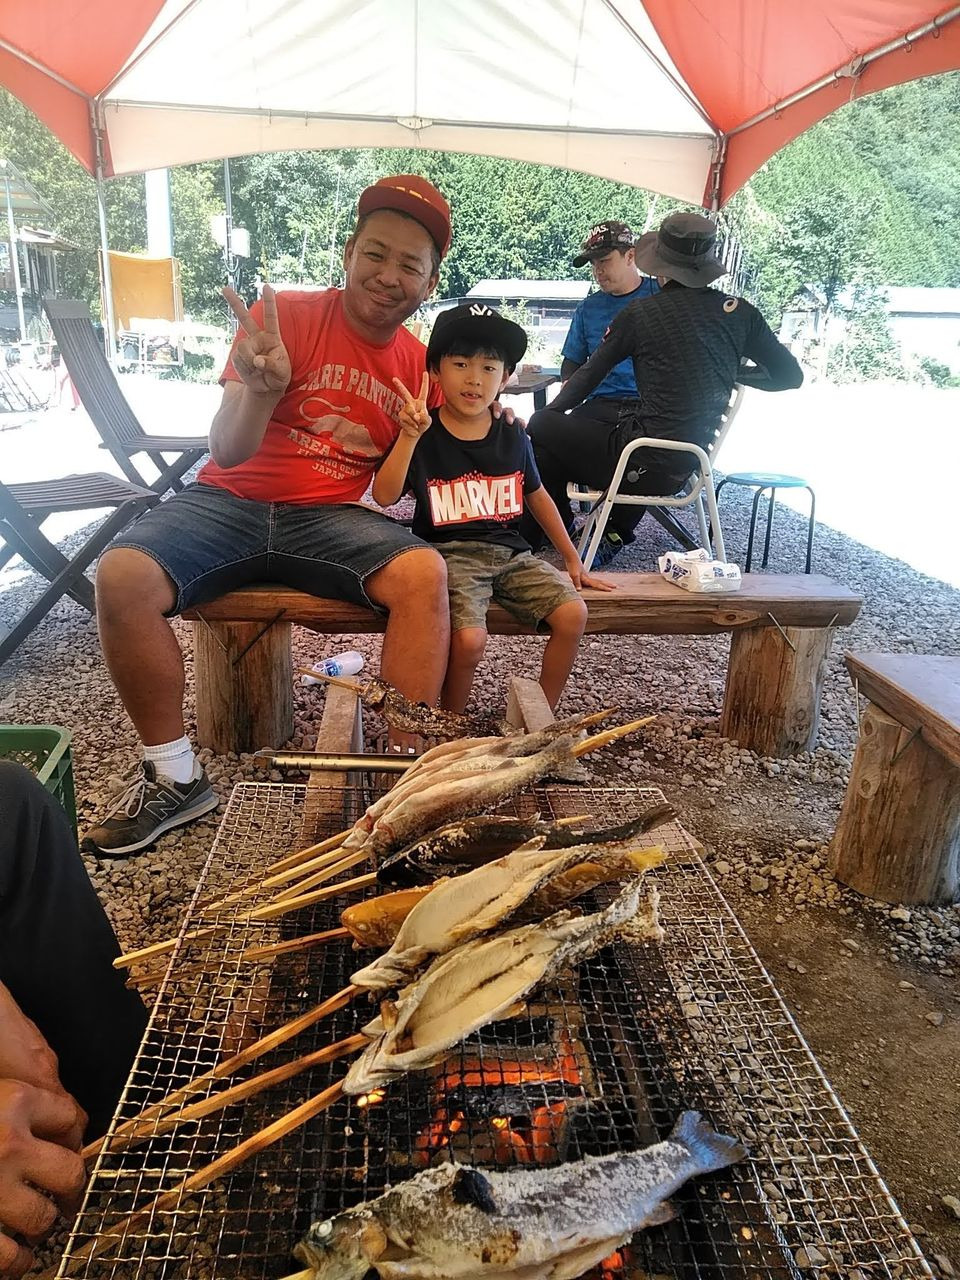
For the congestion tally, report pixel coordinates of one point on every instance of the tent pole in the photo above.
(106, 276)
(14, 256)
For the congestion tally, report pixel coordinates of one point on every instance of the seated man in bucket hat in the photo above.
(686, 344)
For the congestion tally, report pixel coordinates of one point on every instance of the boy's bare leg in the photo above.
(566, 625)
(413, 588)
(141, 651)
(466, 650)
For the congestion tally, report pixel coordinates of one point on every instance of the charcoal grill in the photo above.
(608, 1059)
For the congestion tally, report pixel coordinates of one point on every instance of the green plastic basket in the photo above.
(45, 750)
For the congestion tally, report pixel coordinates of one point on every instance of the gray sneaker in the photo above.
(149, 806)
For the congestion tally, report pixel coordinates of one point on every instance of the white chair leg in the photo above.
(702, 522)
(601, 515)
(720, 551)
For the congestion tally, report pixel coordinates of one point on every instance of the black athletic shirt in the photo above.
(472, 489)
(686, 346)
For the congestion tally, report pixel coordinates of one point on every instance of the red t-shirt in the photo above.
(342, 386)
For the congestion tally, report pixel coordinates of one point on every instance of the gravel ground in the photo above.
(873, 987)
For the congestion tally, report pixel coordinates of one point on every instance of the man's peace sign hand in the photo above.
(260, 358)
(414, 416)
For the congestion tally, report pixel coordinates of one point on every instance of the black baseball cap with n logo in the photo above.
(475, 323)
(603, 238)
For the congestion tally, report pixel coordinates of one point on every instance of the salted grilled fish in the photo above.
(417, 717)
(487, 978)
(459, 796)
(454, 1222)
(469, 905)
(460, 846)
(375, 922)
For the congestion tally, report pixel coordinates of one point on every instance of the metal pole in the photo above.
(231, 262)
(333, 229)
(14, 257)
(110, 335)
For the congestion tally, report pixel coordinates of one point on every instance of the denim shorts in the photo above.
(478, 572)
(209, 541)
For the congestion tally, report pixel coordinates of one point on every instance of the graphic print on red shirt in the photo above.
(475, 497)
(338, 417)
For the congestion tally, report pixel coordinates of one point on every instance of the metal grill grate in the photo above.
(695, 1023)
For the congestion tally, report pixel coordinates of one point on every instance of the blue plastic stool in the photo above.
(761, 481)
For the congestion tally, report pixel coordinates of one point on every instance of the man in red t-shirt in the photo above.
(309, 409)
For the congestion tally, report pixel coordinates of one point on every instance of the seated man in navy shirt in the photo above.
(609, 248)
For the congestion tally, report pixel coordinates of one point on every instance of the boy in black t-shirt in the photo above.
(471, 475)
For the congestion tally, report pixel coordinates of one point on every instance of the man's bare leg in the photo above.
(413, 588)
(141, 651)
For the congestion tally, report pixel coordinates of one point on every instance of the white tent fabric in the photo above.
(674, 95)
(541, 83)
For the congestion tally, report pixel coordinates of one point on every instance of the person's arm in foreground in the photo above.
(263, 365)
(776, 367)
(614, 348)
(544, 511)
(41, 1128)
(390, 482)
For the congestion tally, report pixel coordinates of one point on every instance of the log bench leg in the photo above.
(244, 684)
(774, 681)
(898, 838)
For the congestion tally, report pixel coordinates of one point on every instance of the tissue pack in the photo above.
(695, 571)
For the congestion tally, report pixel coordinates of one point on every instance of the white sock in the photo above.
(174, 760)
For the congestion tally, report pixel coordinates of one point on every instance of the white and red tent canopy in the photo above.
(681, 97)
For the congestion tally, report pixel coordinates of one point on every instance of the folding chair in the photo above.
(24, 507)
(100, 395)
(699, 484)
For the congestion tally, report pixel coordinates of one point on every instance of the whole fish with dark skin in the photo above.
(461, 846)
(454, 1222)
(417, 717)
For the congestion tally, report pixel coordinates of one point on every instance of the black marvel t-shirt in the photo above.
(472, 489)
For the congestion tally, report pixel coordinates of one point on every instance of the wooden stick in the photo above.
(264, 1138)
(268, 912)
(311, 851)
(153, 977)
(274, 909)
(609, 735)
(248, 1089)
(319, 877)
(253, 1051)
(329, 859)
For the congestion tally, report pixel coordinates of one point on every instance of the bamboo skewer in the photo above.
(332, 858)
(252, 1146)
(609, 735)
(253, 1051)
(153, 977)
(319, 877)
(247, 1089)
(268, 912)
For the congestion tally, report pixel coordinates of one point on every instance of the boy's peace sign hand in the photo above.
(414, 416)
(260, 358)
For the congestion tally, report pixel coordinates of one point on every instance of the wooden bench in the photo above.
(898, 838)
(781, 625)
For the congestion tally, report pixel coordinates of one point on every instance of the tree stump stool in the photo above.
(898, 838)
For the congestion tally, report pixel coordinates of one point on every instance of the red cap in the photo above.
(409, 193)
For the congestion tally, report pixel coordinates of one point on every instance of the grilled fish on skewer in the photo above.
(463, 907)
(481, 980)
(486, 898)
(416, 717)
(459, 846)
(458, 1223)
(375, 922)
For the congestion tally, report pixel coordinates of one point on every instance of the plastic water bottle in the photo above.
(344, 664)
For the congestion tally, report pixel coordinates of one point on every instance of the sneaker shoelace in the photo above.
(130, 801)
